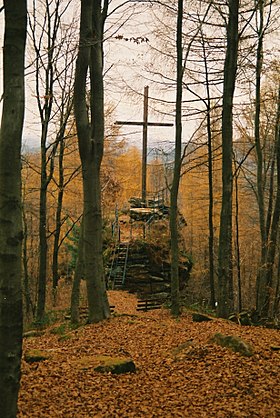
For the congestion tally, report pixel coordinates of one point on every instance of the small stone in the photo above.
(33, 356)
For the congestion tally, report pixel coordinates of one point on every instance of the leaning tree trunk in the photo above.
(175, 296)
(10, 206)
(225, 279)
(91, 142)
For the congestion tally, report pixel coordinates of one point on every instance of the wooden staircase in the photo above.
(118, 268)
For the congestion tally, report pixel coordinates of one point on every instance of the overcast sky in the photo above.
(125, 78)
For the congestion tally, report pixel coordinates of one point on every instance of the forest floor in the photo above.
(179, 372)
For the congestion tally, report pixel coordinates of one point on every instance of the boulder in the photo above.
(107, 364)
(234, 343)
(198, 317)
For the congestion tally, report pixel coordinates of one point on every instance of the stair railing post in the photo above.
(125, 264)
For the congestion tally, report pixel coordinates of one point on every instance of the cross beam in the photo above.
(145, 125)
(120, 122)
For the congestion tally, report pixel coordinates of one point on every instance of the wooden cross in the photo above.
(145, 125)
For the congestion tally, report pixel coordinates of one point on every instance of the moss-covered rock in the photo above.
(182, 348)
(234, 343)
(60, 329)
(33, 356)
(65, 337)
(116, 366)
(275, 347)
(198, 317)
(33, 333)
(189, 351)
(107, 364)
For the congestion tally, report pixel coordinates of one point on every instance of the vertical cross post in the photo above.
(145, 125)
(145, 145)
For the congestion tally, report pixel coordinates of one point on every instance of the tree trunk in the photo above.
(65, 112)
(210, 188)
(277, 290)
(175, 294)
(237, 245)
(58, 217)
(93, 248)
(10, 206)
(79, 274)
(91, 143)
(260, 181)
(43, 247)
(225, 279)
(210, 213)
(45, 76)
(265, 293)
(29, 308)
(210, 179)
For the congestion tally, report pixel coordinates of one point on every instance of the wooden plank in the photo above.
(149, 301)
(148, 304)
(148, 308)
